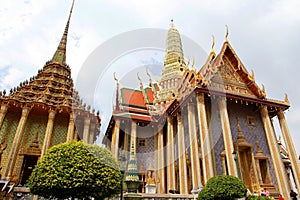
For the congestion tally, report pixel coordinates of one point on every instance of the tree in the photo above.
(76, 170)
(223, 187)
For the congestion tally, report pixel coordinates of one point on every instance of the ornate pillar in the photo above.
(3, 111)
(228, 144)
(71, 128)
(207, 162)
(290, 148)
(182, 157)
(133, 137)
(115, 139)
(274, 151)
(170, 156)
(194, 151)
(161, 161)
(126, 137)
(48, 134)
(92, 133)
(16, 143)
(86, 129)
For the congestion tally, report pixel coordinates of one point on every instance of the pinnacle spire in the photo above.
(60, 54)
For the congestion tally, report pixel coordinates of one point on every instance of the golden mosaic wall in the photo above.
(7, 132)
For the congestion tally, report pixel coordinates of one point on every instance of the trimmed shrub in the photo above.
(76, 170)
(223, 187)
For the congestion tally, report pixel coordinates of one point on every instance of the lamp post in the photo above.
(122, 161)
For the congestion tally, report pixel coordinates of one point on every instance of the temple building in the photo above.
(41, 112)
(192, 125)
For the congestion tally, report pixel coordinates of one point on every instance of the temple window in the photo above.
(142, 142)
(251, 120)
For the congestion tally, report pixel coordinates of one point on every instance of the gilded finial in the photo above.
(188, 61)
(148, 74)
(193, 63)
(226, 36)
(286, 98)
(115, 77)
(213, 44)
(172, 23)
(252, 74)
(263, 88)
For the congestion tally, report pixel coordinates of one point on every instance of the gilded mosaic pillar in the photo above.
(182, 157)
(207, 162)
(3, 111)
(194, 151)
(290, 148)
(92, 133)
(86, 129)
(162, 184)
(274, 151)
(133, 137)
(115, 139)
(126, 137)
(16, 143)
(170, 156)
(227, 136)
(71, 128)
(48, 134)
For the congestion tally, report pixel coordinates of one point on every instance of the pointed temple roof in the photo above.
(60, 54)
(222, 74)
(52, 87)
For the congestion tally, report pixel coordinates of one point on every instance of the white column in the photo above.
(115, 139)
(207, 162)
(275, 153)
(48, 133)
(70, 128)
(161, 161)
(290, 148)
(170, 156)
(194, 151)
(86, 129)
(182, 157)
(227, 136)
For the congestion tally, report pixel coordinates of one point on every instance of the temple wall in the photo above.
(35, 123)
(60, 130)
(7, 132)
(239, 113)
(145, 155)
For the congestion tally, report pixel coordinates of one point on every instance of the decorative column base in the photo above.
(150, 189)
(133, 196)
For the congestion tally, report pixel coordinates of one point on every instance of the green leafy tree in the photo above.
(76, 170)
(223, 187)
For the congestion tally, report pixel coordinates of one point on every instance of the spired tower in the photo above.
(194, 125)
(41, 112)
(173, 69)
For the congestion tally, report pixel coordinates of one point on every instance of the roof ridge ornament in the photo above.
(213, 44)
(227, 33)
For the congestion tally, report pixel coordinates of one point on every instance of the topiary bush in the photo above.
(76, 170)
(223, 187)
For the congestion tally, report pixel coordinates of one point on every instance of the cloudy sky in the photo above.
(264, 34)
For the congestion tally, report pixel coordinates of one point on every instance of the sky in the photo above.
(264, 34)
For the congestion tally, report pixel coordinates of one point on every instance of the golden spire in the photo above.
(226, 36)
(60, 54)
(172, 23)
(213, 44)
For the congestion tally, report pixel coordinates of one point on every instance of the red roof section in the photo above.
(150, 95)
(132, 97)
